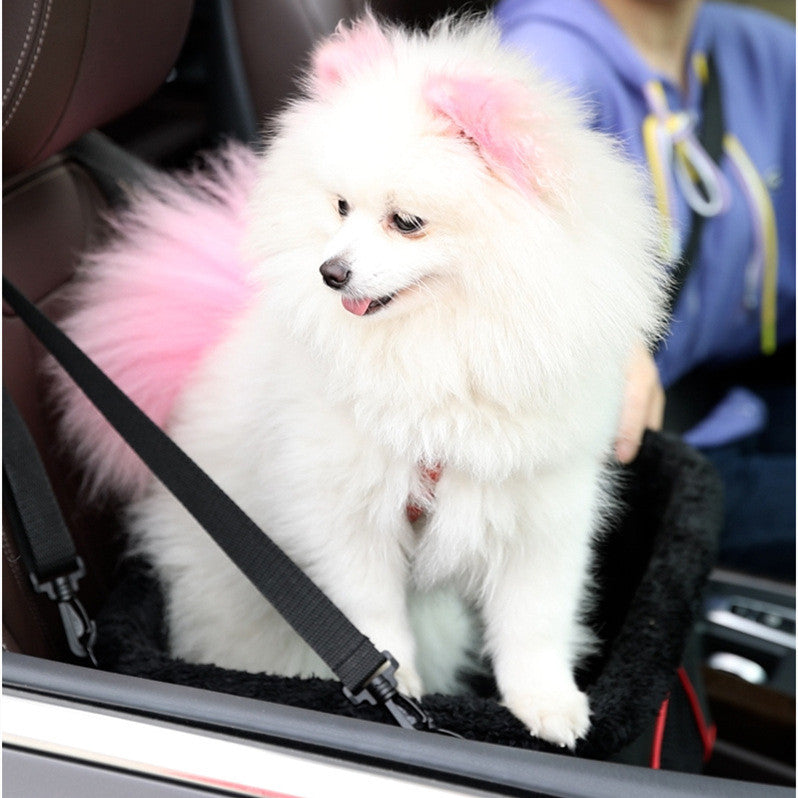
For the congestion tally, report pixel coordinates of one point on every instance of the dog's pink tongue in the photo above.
(356, 306)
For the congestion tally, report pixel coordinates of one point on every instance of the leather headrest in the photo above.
(72, 65)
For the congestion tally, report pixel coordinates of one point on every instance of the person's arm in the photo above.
(643, 404)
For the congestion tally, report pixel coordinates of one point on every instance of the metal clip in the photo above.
(79, 628)
(406, 711)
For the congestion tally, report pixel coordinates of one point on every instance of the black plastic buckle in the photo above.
(80, 629)
(381, 688)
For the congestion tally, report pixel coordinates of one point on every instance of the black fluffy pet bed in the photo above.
(652, 565)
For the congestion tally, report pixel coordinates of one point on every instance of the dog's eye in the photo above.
(343, 207)
(407, 224)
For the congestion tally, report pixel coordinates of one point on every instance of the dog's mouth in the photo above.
(368, 305)
(365, 307)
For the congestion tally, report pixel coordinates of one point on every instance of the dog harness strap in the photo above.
(429, 478)
(348, 653)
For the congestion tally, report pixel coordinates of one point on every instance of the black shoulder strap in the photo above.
(43, 539)
(711, 138)
(367, 674)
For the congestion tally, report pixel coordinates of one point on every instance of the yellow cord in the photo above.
(770, 244)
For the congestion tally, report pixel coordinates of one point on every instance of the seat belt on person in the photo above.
(711, 138)
(367, 675)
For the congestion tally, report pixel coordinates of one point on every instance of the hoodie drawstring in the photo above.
(679, 162)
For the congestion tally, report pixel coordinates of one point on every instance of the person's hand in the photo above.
(643, 404)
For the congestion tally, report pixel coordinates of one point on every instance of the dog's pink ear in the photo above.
(348, 51)
(498, 117)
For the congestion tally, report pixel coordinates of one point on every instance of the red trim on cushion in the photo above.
(708, 733)
(659, 733)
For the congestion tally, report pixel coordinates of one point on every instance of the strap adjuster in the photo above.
(79, 628)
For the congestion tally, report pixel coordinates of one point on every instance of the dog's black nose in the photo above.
(335, 272)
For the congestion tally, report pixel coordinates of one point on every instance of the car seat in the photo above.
(252, 79)
(68, 69)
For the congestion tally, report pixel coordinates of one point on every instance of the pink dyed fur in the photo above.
(152, 301)
(492, 113)
(347, 52)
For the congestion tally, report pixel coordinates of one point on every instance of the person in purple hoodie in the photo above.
(702, 96)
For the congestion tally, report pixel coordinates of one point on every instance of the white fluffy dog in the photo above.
(448, 273)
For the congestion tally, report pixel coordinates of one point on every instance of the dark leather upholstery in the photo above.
(275, 37)
(270, 69)
(71, 65)
(50, 213)
(68, 65)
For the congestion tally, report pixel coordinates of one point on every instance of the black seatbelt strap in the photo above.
(367, 675)
(41, 534)
(114, 169)
(711, 138)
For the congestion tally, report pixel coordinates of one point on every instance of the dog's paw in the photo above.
(408, 682)
(560, 716)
